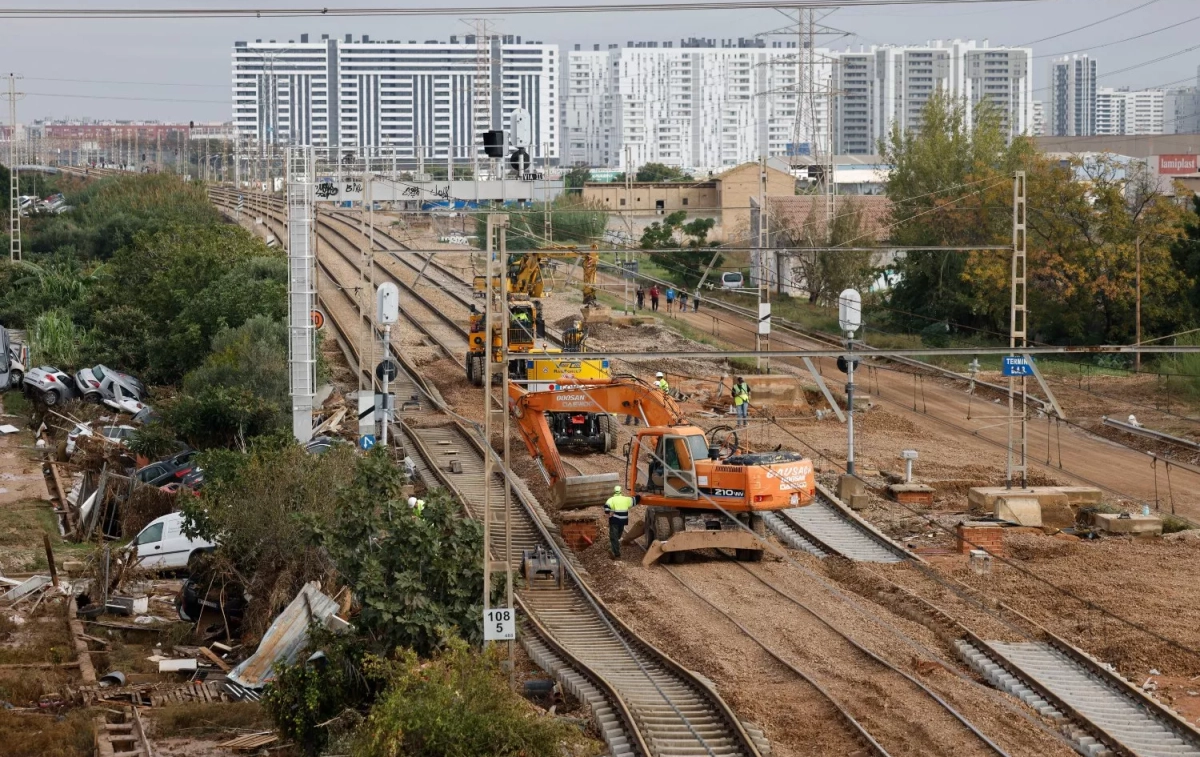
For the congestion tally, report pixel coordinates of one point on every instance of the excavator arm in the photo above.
(625, 395)
(526, 276)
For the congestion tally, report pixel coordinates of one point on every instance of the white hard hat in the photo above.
(658, 375)
(412, 501)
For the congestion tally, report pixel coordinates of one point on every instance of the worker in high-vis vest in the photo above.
(660, 381)
(741, 400)
(616, 509)
(417, 505)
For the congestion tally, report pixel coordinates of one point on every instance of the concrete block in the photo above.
(1022, 510)
(1081, 496)
(852, 491)
(772, 391)
(1134, 525)
(912, 494)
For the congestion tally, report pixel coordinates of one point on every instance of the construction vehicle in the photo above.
(525, 272)
(692, 489)
(546, 368)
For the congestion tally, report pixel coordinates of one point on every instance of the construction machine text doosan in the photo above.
(692, 494)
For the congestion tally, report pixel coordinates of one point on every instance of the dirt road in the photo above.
(944, 406)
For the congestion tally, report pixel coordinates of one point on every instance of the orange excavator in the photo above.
(692, 487)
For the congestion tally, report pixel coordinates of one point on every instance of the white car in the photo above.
(731, 280)
(162, 544)
(116, 434)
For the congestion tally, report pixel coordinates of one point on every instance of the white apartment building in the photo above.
(1181, 109)
(1039, 119)
(698, 106)
(881, 87)
(1120, 111)
(1073, 97)
(433, 97)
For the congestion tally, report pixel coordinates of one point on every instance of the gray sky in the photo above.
(197, 52)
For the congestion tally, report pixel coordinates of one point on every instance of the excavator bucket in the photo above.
(575, 492)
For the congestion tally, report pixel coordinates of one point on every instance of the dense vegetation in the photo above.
(144, 276)
(1088, 223)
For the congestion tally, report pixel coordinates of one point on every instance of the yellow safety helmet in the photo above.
(616, 490)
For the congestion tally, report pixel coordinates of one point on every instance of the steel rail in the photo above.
(455, 346)
(881, 661)
(827, 527)
(648, 729)
(1090, 734)
(859, 730)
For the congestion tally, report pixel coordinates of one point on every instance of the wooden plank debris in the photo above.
(215, 660)
(250, 741)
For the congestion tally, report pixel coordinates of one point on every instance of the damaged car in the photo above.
(50, 385)
(119, 391)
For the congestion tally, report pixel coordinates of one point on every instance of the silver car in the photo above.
(100, 383)
(50, 384)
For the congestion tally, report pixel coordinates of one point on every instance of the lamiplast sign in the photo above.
(1171, 165)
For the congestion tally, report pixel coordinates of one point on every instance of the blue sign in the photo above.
(1017, 366)
(366, 441)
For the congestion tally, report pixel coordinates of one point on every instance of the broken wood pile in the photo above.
(119, 733)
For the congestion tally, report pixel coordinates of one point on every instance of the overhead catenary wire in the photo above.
(1088, 26)
(434, 10)
(1123, 40)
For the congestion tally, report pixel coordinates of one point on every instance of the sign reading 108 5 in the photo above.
(499, 624)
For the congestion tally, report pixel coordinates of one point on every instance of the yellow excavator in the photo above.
(525, 272)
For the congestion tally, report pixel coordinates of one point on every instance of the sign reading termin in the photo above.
(1174, 165)
(1017, 366)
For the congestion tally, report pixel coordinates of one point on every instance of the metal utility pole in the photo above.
(302, 359)
(1137, 338)
(496, 314)
(1017, 328)
(762, 337)
(14, 190)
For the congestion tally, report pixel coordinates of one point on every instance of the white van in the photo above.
(731, 280)
(162, 545)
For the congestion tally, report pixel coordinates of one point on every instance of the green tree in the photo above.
(456, 703)
(1186, 251)
(660, 172)
(417, 577)
(577, 177)
(946, 189)
(190, 282)
(259, 506)
(684, 262)
(825, 273)
(240, 391)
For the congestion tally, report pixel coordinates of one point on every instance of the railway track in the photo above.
(643, 702)
(843, 685)
(825, 528)
(1096, 710)
(442, 329)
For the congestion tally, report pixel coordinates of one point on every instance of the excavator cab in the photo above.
(667, 461)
